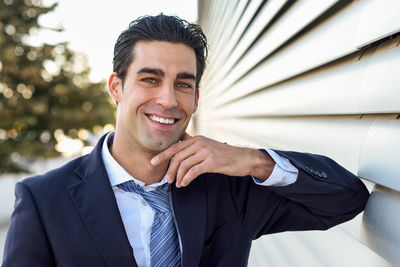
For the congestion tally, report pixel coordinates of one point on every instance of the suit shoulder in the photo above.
(58, 175)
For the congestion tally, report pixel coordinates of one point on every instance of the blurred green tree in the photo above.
(42, 89)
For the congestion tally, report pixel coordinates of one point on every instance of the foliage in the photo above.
(43, 88)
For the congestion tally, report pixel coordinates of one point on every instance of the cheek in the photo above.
(136, 101)
(188, 103)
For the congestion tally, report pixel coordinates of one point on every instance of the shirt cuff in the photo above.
(283, 174)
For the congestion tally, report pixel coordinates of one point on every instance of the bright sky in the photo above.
(93, 26)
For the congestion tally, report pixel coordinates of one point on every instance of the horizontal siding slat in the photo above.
(296, 18)
(329, 91)
(224, 64)
(379, 160)
(233, 18)
(386, 12)
(314, 249)
(224, 21)
(332, 40)
(382, 223)
(380, 87)
(213, 20)
(241, 26)
(353, 86)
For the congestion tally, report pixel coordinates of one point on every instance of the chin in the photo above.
(158, 146)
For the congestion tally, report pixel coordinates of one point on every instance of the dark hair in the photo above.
(159, 28)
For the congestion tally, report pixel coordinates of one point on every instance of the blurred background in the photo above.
(307, 75)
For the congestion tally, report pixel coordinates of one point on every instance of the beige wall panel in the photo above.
(340, 138)
(224, 20)
(380, 157)
(241, 26)
(382, 223)
(222, 63)
(380, 89)
(381, 19)
(244, 20)
(296, 18)
(327, 91)
(208, 8)
(369, 85)
(205, 21)
(214, 20)
(233, 16)
(331, 40)
(230, 29)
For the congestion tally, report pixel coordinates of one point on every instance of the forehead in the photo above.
(170, 57)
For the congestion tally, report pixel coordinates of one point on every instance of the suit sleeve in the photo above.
(324, 195)
(26, 243)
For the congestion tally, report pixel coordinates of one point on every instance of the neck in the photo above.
(137, 163)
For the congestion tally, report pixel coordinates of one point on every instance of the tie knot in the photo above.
(157, 199)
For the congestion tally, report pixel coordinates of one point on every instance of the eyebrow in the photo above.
(158, 72)
(186, 75)
(161, 73)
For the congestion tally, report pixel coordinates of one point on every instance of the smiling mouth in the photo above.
(162, 120)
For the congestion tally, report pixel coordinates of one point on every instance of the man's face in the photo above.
(158, 97)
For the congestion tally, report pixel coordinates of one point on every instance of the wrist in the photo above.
(262, 164)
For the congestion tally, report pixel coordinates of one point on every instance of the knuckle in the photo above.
(198, 138)
(177, 158)
(195, 171)
(203, 143)
(184, 165)
(174, 148)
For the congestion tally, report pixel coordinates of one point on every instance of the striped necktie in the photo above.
(164, 243)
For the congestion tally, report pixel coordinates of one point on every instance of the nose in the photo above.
(166, 97)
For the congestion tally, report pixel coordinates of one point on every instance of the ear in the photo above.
(196, 100)
(115, 87)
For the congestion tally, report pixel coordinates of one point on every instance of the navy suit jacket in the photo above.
(69, 216)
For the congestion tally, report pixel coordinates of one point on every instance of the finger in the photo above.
(170, 152)
(176, 161)
(193, 173)
(186, 165)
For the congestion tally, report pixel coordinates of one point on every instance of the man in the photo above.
(103, 209)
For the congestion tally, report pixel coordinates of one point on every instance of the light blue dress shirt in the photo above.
(137, 216)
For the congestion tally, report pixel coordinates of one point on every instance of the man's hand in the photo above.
(197, 155)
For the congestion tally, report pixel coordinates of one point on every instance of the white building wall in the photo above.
(320, 76)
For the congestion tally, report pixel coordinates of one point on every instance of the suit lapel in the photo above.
(95, 201)
(190, 211)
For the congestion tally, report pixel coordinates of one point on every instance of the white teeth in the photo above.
(161, 120)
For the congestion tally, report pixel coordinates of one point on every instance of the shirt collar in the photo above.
(116, 173)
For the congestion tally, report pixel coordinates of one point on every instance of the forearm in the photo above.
(323, 195)
(324, 187)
